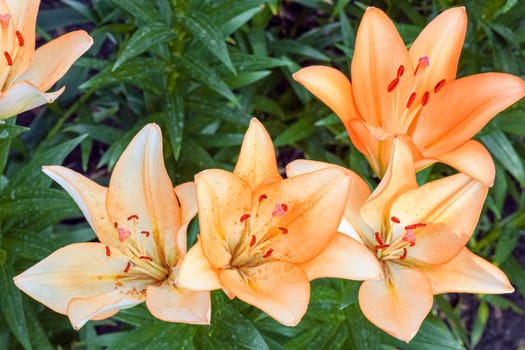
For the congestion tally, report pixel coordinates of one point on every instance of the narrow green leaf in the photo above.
(140, 9)
(480, 324)
(200, 26)
(503, 151)
(507, 241)
(286, 46)
(143, 39)
(247, 78)
(103, 133)
(8, 131)
(516, 273)
(175, 121)
(363, 334)
(301, 129)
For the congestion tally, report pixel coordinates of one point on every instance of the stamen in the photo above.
(144, 257)
(405, 251)
(426, 96)
(400, 71)
(392, 85)
(145, 233)
(108, 251)
(128, 265)
(378, 238)
(395, 219)
(280, 209)
(123, 234)
(8, 58)
(262, 197)
(4, 20)
(414, 226)
(268, 253)
(244, 217)
(134, 216)
(380, 244)
(253, 240)
(20, 38)
(115, 224)
(439, 85)
(411, 99)
(284, 230)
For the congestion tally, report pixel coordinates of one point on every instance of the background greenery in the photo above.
(201, 69)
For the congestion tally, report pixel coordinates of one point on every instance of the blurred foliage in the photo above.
(201, 69)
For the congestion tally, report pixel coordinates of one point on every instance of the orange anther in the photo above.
(8, 58)
(262, 197)
(244, 217)
(20, 38)
(108, 251)
(134, 216)
(253, 240)
(268, 253)
(145, 233)
(284, 230)
(395, 219)
(128, 265)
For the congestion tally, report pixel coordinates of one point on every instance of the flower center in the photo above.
(388, 249)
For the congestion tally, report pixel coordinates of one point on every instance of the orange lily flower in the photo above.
(395, 91)
(141, 222)
(260, 234)
(418, 234)
(27, 74)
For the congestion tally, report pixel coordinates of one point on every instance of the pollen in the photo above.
(108, 251)
(253, 240)
(244, 217)
(128, 266)
(8, 58)
(20, 38)
(426, 97)
(283, 230)
(134, 216)
(439, 85)
(263, 197)
(400, 71)
(392, 85)
(411, 99)
(145, 233)
(395, 219)
(268, 253)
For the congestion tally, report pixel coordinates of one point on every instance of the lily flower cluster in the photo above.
(264, 238)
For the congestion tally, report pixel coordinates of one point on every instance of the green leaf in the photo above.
(516, 273)
(503, 151)
(480, 323)
(298, 48)
(299, 130)
(140, 9)
(103, 133)
(198, 24)
(363, 334)
(143, 39)
(175, 121)
(507, 241)
(8, 131)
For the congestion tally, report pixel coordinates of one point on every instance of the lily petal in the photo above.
(308, 197)
(173, 304)
(23, 96)
(90, 198)
(223, 199)
(257, 164)
(344, 257)
(278, 288)
(467, 273)
(53, 59)
(196, 272)
(187, 197)
(397, 305)
(466, 105)
(379, 52)
(81, 270)
(441, 41)
(332, 87)
(450, 207)
(141, 198)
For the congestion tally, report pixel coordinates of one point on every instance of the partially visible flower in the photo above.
(395, 91)
(418, 235)
(141, 222)
(26, 74)
(262, 238)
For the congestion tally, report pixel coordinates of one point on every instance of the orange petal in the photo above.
(462, 108)
(196, 272)
(52, 60)
(397, 305)
(344, 257)
(187, 197)
(223, 199)
(467, 273)
(90, 198)
(81, 310)
(81, 270)
(140, 187)
(399, 178)
(257, 164)
(280, 289)
(450, 207)
(172, 304)
(379, 52)
(315, 203)
(441, 41)
(471, 158)
(330, 86)
(23, 96)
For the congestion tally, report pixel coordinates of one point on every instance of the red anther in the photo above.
(268, 253)
(108, 251)
(414, 226)
(115, 224)
(425, 98)
(284, 230)
(439, 85)
(145, 233)
(128, 265)
(395, 219)
(262, 197)
(145, 257)
(400, 71)
(411, 99)
(253, 240)
(280, 209)
(405, 251)
(392, 85)
(244, 217)
(134, 216)
(20, 38)
(123, 234)
(8, 58)
(284, 206)
(378, 238)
